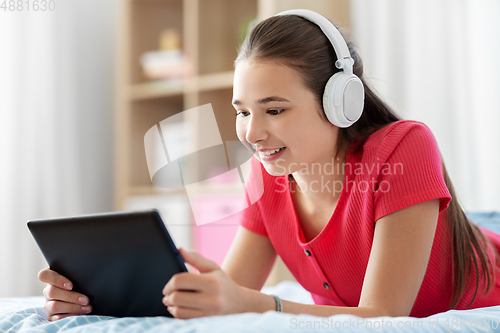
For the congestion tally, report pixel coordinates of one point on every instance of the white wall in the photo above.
(437, 61)
(56, 104)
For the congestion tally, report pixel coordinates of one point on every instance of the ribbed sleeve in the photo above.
(412, 172)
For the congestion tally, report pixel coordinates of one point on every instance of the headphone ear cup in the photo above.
(343, 99)
(353, 99)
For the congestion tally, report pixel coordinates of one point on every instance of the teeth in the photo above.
(270, 152)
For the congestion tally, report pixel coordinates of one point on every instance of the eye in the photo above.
(241, 113)
(271, 112)
(276, 112)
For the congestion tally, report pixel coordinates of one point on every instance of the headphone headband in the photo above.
(344, 94)
(344, 60)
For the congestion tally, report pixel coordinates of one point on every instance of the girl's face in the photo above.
(275, 110)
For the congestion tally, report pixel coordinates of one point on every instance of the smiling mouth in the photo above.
(271, 152)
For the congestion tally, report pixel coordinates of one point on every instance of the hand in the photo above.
(207, 293)
(61, 302)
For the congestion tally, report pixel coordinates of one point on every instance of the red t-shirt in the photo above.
(400, 166)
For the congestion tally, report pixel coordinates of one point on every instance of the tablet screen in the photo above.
(121, 261)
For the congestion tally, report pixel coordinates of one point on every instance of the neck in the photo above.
(320, 187)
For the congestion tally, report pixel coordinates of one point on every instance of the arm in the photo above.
(250, 259)
(398, 261)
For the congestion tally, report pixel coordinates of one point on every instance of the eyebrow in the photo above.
(264, 100)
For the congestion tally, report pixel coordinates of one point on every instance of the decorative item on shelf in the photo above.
(170, 61)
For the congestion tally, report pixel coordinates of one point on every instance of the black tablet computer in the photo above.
(120, 260)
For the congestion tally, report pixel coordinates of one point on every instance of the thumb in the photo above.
(198, 261)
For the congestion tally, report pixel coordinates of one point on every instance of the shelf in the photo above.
(211, 32)
(153, 190)
(155, 89)
(215, 81)
(166, 88)
(215, 189)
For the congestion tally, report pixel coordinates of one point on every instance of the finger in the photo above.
(57, 294)
(185, 281)
(61, 316)
(185, 313)
(189, 282)
(191, 269)
(198, 261)
(49, 276)
(184, 299)
(195, 301)
(60, 308)
(64, 315)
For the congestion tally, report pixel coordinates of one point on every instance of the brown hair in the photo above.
(301, 45)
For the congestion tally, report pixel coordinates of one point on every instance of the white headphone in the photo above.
(344, 95)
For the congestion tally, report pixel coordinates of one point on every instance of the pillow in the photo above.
(488, 220)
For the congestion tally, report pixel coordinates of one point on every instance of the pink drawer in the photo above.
(212, 240)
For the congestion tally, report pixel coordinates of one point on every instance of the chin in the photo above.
(274, 171)
(276, 168)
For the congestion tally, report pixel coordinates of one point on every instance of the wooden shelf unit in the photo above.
(211, 31)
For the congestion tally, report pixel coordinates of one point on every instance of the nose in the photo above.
(255, 130)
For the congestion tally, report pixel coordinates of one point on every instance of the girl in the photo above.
(362, 215)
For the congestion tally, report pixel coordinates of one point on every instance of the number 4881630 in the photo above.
(28, 5)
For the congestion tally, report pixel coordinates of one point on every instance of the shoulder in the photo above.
(397, 131)
(401, 136)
